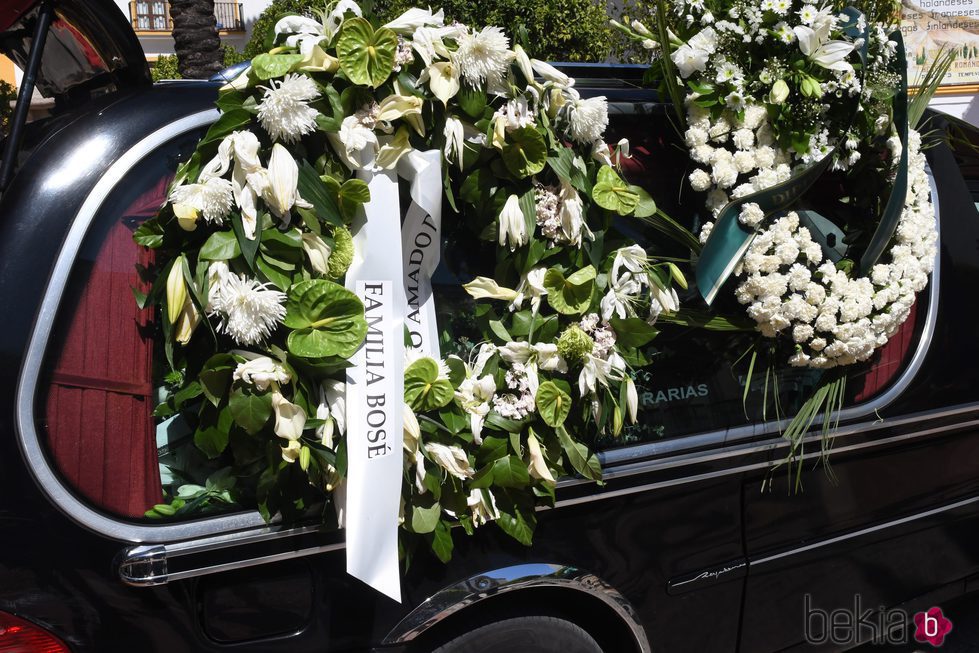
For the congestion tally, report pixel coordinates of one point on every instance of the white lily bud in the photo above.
(176, 290)
(188, 321)
(538, 465)
(486, 288)
(779, 93)
(523, 63)
(292, 451)
(452, 459)
(262, 372)
(317, 250)
(631, 399)
(290, 419)
(512, 224)
(412, 432)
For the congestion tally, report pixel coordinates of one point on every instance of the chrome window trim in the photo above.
(871, 407)
(30, 444)
(450, 600)
(222, 531)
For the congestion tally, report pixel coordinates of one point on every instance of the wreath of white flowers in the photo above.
(752, 124)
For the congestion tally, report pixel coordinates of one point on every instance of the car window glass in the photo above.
(99, 385)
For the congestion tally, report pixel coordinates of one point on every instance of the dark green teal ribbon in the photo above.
(729, 239)
(895, 203)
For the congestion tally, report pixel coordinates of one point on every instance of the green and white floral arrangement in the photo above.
(261, 229)
(773, 95)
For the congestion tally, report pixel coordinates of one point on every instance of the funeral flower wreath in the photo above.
(273, 292)
(778, 96)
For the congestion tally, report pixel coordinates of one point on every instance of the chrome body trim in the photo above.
(737, 434)
(452, 599)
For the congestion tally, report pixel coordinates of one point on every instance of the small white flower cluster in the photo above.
(560, 215)
(603, 364)
(833, 318)
(519, 403)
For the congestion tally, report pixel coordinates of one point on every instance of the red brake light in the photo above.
(20, 636)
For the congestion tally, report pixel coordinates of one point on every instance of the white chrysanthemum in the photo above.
(212, 197)
(483, 56)
(250, 310)
(284, 110)
(588, 119)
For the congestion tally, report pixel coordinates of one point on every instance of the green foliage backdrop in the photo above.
(557, 30)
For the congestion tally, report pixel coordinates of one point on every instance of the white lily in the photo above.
(532, 287)
(452, 459)
(538, 464)
(290, 419)
(335, 18)
(486, 288)
(317, 250)
(512, 224)
(815, 44)
(260, 371)
(482, 503)
(572, 215)
(414, 18)
(541, 354)
(394, 148)
(597, 372)
(443, 79)
(474, 396)
(454, 140)
(292, 450)
(406, 107)
(281, 189)
(332, 410)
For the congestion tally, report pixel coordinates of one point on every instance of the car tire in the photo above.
(524, 635)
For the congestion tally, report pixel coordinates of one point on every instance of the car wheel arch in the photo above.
(542, 589)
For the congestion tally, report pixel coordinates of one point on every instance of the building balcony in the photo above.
(154, 17)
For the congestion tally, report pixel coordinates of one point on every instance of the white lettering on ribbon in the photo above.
(375, 392)
(421, 243)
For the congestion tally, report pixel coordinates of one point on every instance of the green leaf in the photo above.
(248, 246)
(423, 520)
(315, 191)
(326, 318)
(267, 66)
(510, 472)
(366, 56)
(227, 123)
(553, 403)
(646, 206)
(632, 331)
(211, 436)
(571, 295)
(518, 523)
(524, 152)
(221, 246)
(353, 194)
(250, 411)
(279, 279)
(493, 448)
(583, 461)
(472, 100)
(424, 391)
(442, 541)
(215, 377)
(613, 194)
(149, 234)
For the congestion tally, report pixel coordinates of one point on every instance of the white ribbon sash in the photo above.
(397, 292)
(421, 242)
(375, 392)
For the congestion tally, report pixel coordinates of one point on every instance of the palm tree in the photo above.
(195, 37)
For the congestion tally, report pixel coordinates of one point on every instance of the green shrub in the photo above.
(166, 66)
(8, 94)
(555, 30)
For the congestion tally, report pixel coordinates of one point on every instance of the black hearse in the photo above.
(680, 550)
